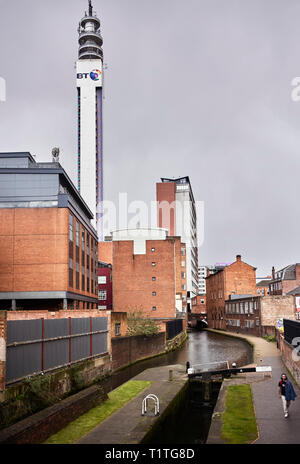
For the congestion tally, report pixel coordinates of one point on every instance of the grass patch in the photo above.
(239, 422)
(270, 338)
(83, 424)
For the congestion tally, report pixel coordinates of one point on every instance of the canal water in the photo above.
(202, 347)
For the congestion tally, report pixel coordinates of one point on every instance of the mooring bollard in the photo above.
(170, 375)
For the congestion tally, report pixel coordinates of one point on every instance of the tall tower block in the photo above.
(90, 130)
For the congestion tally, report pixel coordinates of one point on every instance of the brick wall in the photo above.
(165, 197)
(40, 426)
(274, 307)
(127, 350)
(34, 251)
(132, 278)
(105, 252)
(237, 278)
(118, 318)
(289, 357)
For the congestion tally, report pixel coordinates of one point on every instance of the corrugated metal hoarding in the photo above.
(39, 345)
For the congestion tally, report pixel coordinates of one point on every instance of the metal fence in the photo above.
(41, 345)
(291, 330)
(173, 328)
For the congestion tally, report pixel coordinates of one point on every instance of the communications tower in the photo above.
(90, 129)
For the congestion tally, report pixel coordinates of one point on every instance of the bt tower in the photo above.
(90, 129)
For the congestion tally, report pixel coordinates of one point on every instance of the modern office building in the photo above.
(176, 211)
(90, 129)
(48, 247)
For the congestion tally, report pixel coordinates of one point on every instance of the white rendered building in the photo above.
(90, 130)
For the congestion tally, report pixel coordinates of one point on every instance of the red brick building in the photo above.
(48, 247)
(257, 315)
(285, 280)
(149, 273)
(105, 286)
(238, 278)
(262, 287)
(199, 305)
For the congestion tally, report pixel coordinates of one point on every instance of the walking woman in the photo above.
(286, 392)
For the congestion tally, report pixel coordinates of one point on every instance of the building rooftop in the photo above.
(21, 185)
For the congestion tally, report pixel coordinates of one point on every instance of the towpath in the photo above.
(273, 427)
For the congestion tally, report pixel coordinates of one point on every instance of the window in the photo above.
(153, 293)
(182, 251)
(183, 275)
(246, 307)
(182, 263)
(153, 264)
(152, 249)
(251, 307)
(153, 278)
(102, 295)
(183, 287)
(70, 227)
(71, 272)
(202, 301)
(153, 308)
(117, 328)
(101, 279)
(102, 307)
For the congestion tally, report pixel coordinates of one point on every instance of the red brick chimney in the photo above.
(273, 272)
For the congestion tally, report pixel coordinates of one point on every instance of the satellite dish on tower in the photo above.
(55, 155)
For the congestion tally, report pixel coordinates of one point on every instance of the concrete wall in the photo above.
(127, 350)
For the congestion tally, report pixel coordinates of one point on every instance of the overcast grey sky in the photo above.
(196, 87)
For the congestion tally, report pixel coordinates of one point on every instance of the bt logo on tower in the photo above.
(94, 75)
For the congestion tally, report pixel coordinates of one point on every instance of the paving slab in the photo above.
(127, 425)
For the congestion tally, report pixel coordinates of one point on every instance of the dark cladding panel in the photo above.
(100, 343)
(56, 353)
(28, 185)
(99, 323)
(23, 331)
(56, 328)
(23, 360)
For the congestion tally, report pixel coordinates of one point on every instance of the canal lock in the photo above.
(187, 419)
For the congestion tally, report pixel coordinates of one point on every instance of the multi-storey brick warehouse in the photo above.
(238, 278)
(48, 248)
(149, 275)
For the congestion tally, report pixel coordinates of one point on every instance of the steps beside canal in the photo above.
(128, 426)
